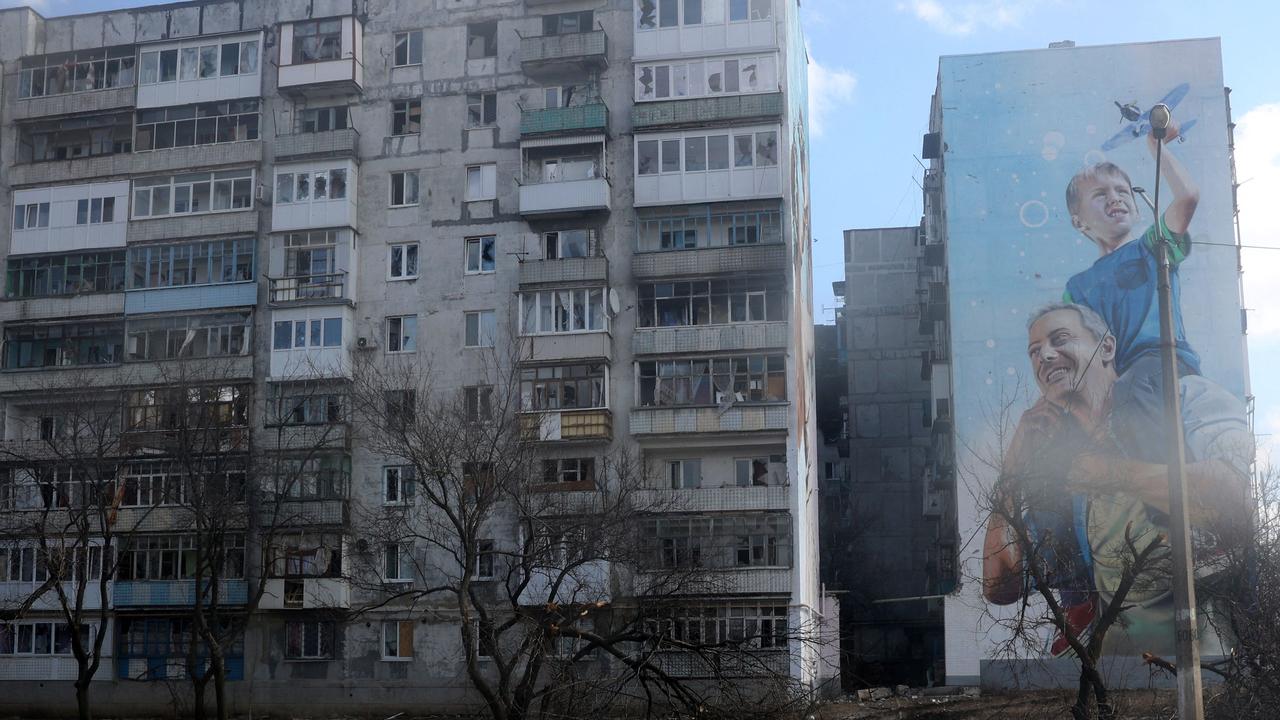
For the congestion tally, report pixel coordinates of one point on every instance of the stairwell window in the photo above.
(404, 188)
(408, 48)
(404, 261)
(406, 117)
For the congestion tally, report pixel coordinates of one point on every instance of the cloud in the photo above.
(830, 89)
(1258, 170)
(964, 18)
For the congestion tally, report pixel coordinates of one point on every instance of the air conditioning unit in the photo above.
(364, 343)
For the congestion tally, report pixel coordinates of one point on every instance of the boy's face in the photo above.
(1106, 210)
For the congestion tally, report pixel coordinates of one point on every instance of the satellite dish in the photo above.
(615, 305)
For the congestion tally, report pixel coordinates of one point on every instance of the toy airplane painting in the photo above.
(1139, 124)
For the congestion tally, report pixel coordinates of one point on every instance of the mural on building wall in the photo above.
(1051, 174)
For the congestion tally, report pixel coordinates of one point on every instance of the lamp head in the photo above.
(1160, 117)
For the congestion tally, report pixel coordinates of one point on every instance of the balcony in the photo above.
(182, 159)
(737, 418)
(71, 170)
(309, 63)
(700, 111)
(555, 53)
(564, 270)
(593, 117)
(341, 143)
(236, 222)
(191, 297)
(174, 593)
(14, 593)
(66, 104)
(743, 336)
(721, 499)
(335, 436)
(306, 594)
(288, 513)
(568, 425)
(731, 259)
(582, 584)
(565, 198)
(770, 663)
(309, 289)
(744, 580)
(566, 346)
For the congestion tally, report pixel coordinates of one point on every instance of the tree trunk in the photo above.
(82, 696)
(197, 699)
(219, 670)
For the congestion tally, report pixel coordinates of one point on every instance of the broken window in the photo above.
(482, 40)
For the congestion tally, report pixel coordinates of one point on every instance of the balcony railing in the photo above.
(564, 270)
(589, 48)
(593, 117)
(343, 142)
(682, 420)
(704, 110)
(174, 593)
(308, 288)
(553, 425)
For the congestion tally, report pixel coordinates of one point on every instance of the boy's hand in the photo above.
(1170, 134)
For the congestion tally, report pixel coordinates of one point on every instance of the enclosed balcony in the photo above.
(708, 164)
(718, 499)
(174, 593)
(698, 111)
(565, 51)
(740, 418)
(709, 240)
(564, 176)
(72, 83)
(321, 56)
(576, 119)
(741, 336)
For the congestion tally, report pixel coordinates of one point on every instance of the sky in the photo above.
(873, 68)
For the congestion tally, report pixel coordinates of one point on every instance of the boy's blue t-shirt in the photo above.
(1121, 288)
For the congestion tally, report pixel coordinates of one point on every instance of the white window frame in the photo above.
(33, 216)
(533, 304)
(287, 185)
(481, 341)
(477, 403)
(315, 333)
(320, 628)
(404, 560)
(409, 259)
(409, 37)
(392, 642)
(680, 471)
(486, 559)
(403, 479)
(402, 332)
(747, 462)
(409, 123)
(480, 100)
(478, 242)
(486, 185)
(404, 188)
(98, 207)
(229, 176)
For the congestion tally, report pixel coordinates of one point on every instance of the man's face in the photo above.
(1106, 210)
(1065, 356)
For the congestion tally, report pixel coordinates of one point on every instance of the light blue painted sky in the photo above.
(874, 66)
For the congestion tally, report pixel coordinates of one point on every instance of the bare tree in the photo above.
(561, 606)
(64, 529)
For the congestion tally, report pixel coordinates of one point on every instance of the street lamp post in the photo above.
(1186, 626)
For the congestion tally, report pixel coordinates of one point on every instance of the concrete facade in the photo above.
(302, 205)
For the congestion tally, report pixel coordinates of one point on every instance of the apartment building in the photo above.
(282, 190)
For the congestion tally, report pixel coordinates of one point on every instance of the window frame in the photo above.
(488, 182)
(404, 554)
(409, 255)
(482, 110)
(405, 342)
(481, 341)
(540, 306)
(408, 37)
(486, 560)
(480, 31)
(405, 184)
(325, 640)
(403, 113)
(324, 50)
(399, 628)
(404, 478)
(478, 242)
